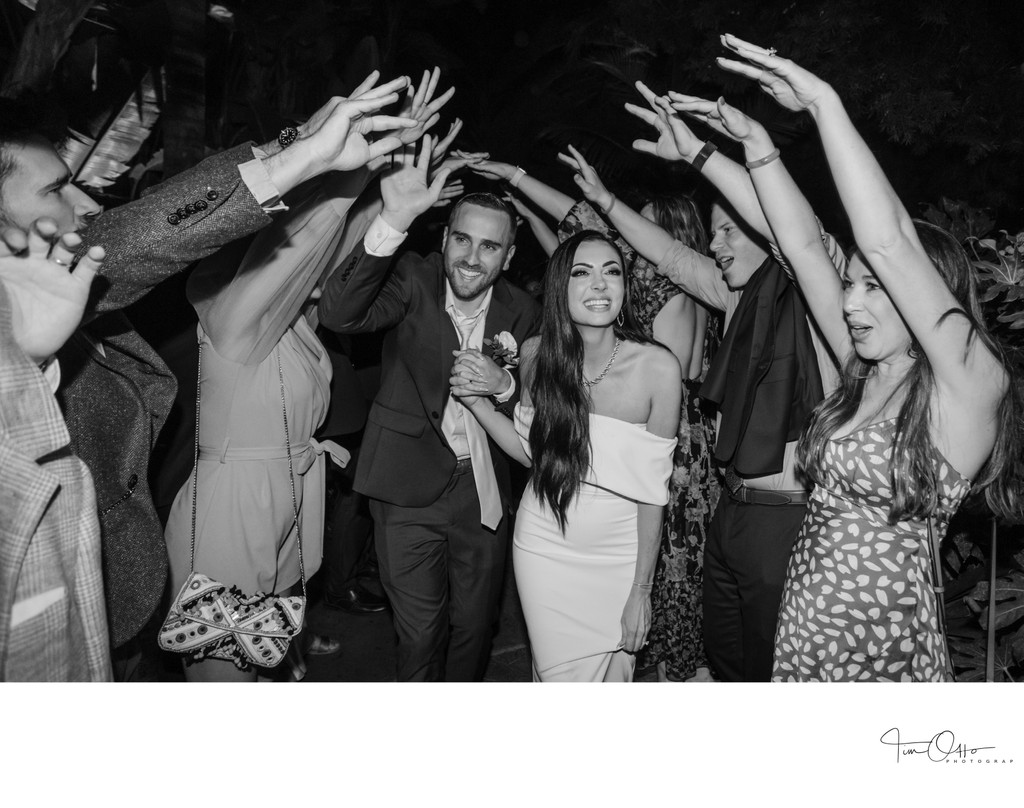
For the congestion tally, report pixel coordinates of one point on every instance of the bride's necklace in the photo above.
(607, 367)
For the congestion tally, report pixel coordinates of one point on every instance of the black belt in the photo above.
(463, 465)
(758, 496)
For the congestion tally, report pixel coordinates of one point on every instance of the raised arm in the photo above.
(676, 141)
(246, 307)
(966, 371)
(793, 223)
(550, 200)
(545, 235)
(356, 298)
(696, 274)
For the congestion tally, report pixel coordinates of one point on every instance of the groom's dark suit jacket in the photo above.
(405, 458)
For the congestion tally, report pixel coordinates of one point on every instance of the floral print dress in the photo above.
(677, 632)
(859, 603)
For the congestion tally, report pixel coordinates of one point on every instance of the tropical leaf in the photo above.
(98, 163)
(1009, 597)
(968, 658)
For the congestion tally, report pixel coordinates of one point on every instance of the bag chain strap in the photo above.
(938, 585)
(288, 449)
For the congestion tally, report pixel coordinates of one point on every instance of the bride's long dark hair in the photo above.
(560, 434)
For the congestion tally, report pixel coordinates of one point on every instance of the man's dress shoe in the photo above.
(356, 599)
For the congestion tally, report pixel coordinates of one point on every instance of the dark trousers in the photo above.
(745, 561)
(442, 571)
(348, 526)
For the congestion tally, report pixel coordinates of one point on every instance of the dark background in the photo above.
(936, 86)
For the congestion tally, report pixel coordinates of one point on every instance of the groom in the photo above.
(439, 488)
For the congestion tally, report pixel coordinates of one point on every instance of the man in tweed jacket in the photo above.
(115, 390)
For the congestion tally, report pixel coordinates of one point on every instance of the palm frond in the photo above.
(98, 162)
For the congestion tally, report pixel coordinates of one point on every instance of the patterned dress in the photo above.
(858, 603)
(677, 632)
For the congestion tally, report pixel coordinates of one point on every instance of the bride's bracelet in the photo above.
(643, 586)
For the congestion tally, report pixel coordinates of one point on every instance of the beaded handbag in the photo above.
(210, 620)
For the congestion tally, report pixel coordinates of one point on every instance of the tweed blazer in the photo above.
(52, 618)
(116, 392)
(405, 458)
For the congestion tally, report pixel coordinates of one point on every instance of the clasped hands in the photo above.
(476, 376)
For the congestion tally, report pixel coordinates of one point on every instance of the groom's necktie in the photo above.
(476, 437)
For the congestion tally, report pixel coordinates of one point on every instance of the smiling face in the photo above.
(737, 255)
(876, 328)
(597, 285)
(39, 185)
(477, 249)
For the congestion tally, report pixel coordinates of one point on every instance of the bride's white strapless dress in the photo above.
(573, 585)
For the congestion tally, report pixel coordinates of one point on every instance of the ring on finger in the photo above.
(62, 263)
(771, 52)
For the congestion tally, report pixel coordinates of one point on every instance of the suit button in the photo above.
(133, 481)
(173, 219)
(434, 415)
(212, 195)
(190, 209)
(201, 204)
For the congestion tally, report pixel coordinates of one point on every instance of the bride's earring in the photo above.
(620, 319)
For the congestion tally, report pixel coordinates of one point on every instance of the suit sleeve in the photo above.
(181, 221)
(361, 297)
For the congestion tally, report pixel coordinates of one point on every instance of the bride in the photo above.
(597, 423)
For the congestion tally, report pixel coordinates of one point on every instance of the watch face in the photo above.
(287, 136)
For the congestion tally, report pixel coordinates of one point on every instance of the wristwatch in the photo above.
(287, 136)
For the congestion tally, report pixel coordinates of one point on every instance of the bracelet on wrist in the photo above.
(643, 586)
(611, 205)
(517, 175)
(763, 161)
(705, 152)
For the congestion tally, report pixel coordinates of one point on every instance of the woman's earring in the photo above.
(620, 319)
(914, 351)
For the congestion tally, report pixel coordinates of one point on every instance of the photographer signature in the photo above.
(939, 748)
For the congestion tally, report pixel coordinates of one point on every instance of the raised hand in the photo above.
(675, 139)
(48, 296)
(445, 143)
(587, 179)
(493, 170)
(335, 135)
(451, 190)
(419, 106)
(786, 82)
(406, 190)
(459, 160)
(722, 117)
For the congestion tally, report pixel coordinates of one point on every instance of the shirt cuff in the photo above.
(382, 239)
(257, 179)
(503, 397)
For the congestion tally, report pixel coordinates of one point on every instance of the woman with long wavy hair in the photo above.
(927, 408)
(597, 422)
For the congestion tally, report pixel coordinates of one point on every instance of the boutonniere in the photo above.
(504, 349)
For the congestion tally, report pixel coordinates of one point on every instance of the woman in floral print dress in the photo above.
(927, 405)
